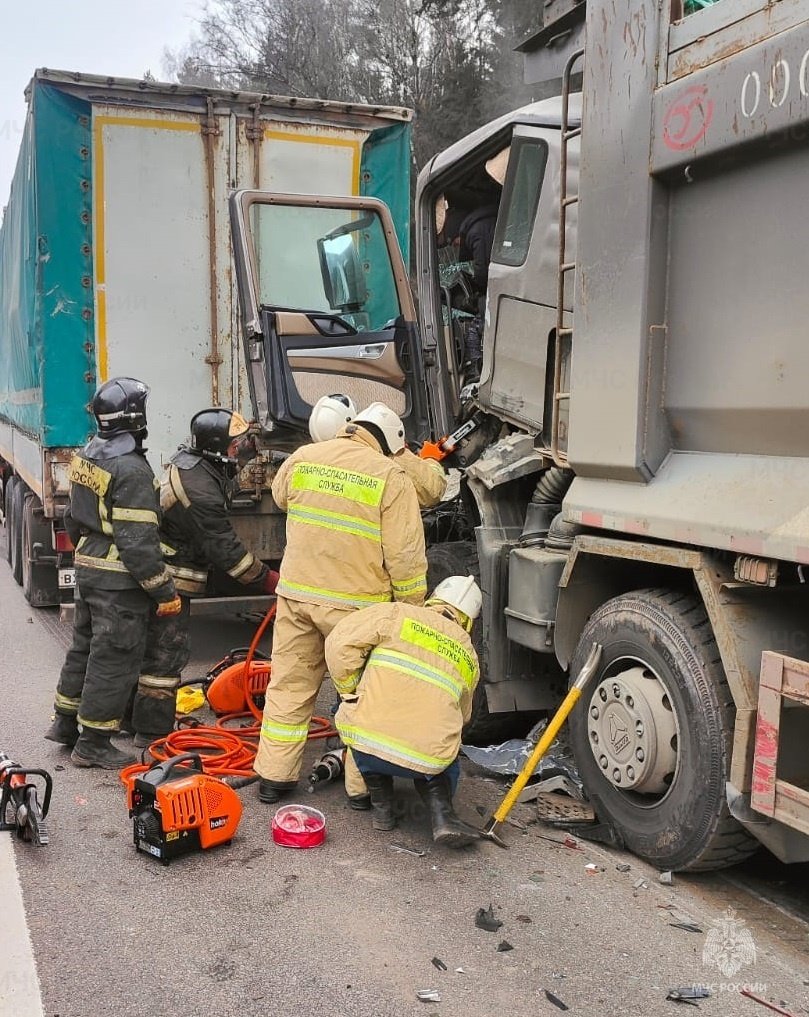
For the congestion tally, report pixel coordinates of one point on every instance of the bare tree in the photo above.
(435, 56)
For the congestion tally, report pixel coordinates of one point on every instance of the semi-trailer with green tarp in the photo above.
(115, 259)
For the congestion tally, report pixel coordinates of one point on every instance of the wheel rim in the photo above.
(633, 731)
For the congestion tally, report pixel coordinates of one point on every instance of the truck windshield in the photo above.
(325, 260)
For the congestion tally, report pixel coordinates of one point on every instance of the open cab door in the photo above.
(326, 308)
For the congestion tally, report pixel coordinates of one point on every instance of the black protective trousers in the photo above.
(118, 639)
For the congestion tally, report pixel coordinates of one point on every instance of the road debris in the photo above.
(428, 996)
(553, 998)
(508, 758)
(525, 919)
(438, 963)
(406, 850)
(640, 884)
(623, 867)
(504, 946)
(591, 868)
(686, 926)
(689, 994)
(666, 878)
(765, 1002)
(485, 919)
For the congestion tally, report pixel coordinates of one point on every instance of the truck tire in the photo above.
(15, 530)
(40, 584)
(8, 508)
(460, 558)
(653, 732)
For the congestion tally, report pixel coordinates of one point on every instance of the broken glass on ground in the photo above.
(485, 919)
(429, 995)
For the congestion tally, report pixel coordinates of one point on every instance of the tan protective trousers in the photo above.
(298, 669)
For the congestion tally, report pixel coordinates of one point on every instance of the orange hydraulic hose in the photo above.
(224, 751)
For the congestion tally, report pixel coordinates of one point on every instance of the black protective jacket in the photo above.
(195, 498)
(477, 238)
(113, 519)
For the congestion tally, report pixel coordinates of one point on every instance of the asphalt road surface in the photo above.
(89, 928)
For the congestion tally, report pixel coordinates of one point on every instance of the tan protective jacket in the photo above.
(427, 476)
(354, 531)
(406, 677)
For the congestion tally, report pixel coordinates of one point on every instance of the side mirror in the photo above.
(342, 273)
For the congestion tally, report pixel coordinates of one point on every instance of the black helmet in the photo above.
(221, 436)
(119, 406)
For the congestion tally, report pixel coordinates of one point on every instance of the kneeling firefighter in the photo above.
(122, 584)
(196, 490)
(406, 676)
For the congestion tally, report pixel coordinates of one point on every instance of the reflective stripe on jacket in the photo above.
(427, 475)
(406, 676)
(194, 499)
(114, 506)
(354, 531)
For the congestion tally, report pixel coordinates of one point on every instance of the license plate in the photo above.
(67, 579)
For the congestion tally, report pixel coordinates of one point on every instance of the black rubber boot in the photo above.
(271, 791)
(360, 803)
(448, 829)
(94, 748)
(380, 787)
(143, 741)
(64, 730)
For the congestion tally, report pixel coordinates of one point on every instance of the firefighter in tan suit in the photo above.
(354, 538)
(332, 413)
(427, 476)
(406, 676)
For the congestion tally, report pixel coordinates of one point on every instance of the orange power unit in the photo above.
(177, 808)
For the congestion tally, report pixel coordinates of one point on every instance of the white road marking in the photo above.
(20, 994)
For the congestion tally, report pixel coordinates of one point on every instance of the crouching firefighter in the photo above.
(121, 577)
(196, 490)
(406, 676)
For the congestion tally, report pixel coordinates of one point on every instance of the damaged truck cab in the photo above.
(644, 354)
(639, 472)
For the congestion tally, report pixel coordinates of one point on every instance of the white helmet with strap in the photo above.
(385, 425)
(462, 593)
(329, 415)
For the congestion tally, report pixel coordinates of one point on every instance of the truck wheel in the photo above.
(15, 530)
(460, 558)
(653, 731)
(39, 579)
(8, 508)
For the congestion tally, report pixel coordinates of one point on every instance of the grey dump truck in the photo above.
(638, 475)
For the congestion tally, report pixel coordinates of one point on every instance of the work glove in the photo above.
(169, 608)
(271, 581)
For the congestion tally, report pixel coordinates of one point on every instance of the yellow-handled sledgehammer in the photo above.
(501, 812)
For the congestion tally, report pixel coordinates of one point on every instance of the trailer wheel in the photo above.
(653, 731)
(40, 584)
(460, 558)
(8, 508)
(15, 530)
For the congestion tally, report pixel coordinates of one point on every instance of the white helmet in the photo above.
(329, 414)
(390, 427)
(462, 593)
